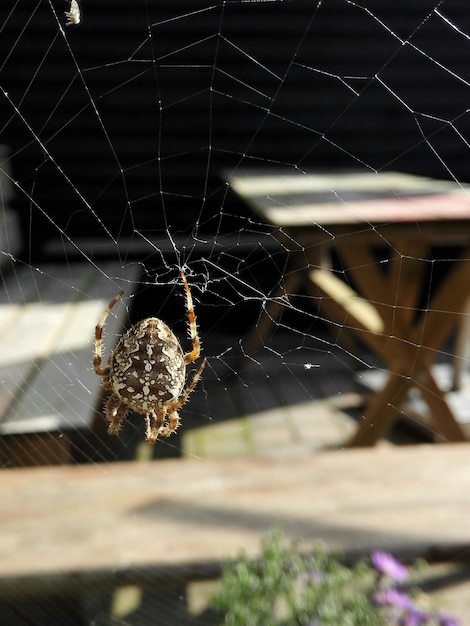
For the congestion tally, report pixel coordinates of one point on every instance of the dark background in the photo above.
(140, 140)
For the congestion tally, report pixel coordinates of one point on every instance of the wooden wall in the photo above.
(140, 137)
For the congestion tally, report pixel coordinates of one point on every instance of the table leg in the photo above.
(446, 307)
(380, 412)
(408, 347)
(443, 419)
(462, 348)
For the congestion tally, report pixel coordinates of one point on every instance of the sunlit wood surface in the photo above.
(78, 520)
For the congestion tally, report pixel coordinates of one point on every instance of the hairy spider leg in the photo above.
(98, 337)
(184, 396)
(158, 429)
(115, 413)
(173, 423)
(194, 354)
(152, 431)
(174, 406)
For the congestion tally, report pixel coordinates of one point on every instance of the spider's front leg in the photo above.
(115, 413)
(100, 371)
(196, 343)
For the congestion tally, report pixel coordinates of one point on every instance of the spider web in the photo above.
(121, 135)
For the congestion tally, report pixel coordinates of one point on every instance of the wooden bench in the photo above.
(47, 320)
(74, 529)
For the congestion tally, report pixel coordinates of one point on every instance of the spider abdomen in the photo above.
(147, 369)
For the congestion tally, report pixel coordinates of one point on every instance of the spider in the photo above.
(146, 371)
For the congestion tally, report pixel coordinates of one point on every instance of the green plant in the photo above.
(286, 588)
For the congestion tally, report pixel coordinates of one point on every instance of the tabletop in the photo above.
(344, 201)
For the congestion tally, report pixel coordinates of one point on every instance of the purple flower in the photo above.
(413, 617)
(389, 566)
(392, 597)
(444, 620)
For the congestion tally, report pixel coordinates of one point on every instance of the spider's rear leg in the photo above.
(115, 413)
(158, 428)
(188, 389)
(173, 423)
(153, 430)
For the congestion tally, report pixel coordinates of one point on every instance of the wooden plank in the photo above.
(22, 333)
(318, 207)
(32, 449)
(354, 185)
(46, 353)
(290, 199)
(174, 514)
(361, 310)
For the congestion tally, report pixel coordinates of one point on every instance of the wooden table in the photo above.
(68, 529)
(357, 213)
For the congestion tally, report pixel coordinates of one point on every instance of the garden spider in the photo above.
(146, 372)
